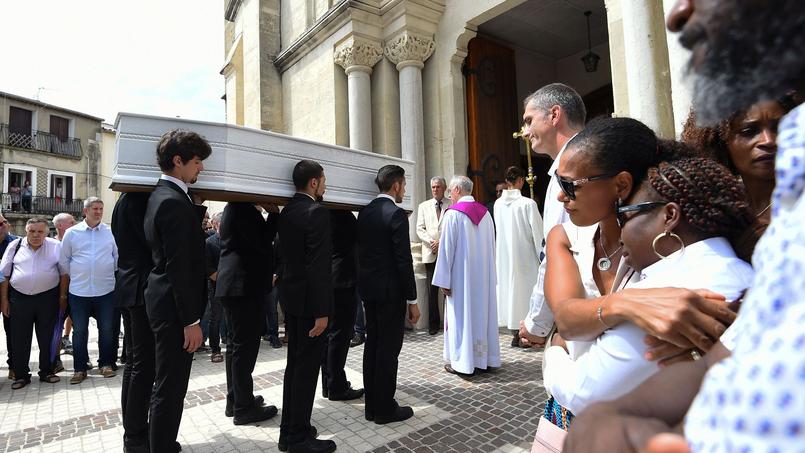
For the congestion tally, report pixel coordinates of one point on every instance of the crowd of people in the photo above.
(663, 278)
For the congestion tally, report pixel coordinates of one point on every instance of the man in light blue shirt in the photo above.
(89, 257)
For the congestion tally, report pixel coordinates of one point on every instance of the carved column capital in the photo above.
(358, 54)
(409, 49)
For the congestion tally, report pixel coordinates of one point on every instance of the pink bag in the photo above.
(549, 438)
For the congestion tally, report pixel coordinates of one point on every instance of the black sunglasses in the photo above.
(640, 207)
(569, 187)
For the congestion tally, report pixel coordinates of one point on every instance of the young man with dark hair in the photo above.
(386, 286)
(307, 293)
(175, 294)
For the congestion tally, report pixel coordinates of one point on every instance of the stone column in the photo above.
(647, 68)
(357, 58)
(409, 51)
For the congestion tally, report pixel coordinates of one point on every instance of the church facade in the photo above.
(441, 82)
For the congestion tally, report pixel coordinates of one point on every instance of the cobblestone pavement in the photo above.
(491, 412)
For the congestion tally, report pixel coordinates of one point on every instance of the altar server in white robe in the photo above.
(465, 270)
(518, 243)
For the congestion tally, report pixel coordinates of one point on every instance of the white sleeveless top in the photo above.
(582, 245)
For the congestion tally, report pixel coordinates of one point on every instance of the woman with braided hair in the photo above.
(675, 232)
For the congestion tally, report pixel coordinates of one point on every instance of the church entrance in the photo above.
(533, 44)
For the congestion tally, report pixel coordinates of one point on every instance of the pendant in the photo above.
(604, 264)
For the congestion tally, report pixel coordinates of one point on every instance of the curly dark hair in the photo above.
(614, 145)
(713, 200)
(182, 143)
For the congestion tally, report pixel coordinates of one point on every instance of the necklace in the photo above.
(604, 263)
(761, 212)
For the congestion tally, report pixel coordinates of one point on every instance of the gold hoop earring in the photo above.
(670, 234)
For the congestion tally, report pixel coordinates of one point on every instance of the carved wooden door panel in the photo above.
(492, 110)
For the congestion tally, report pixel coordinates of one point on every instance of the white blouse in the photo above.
(614, 364)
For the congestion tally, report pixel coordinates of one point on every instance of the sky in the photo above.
(157, 57)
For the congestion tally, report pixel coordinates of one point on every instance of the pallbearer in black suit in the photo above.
(344, 228)
(386, 286)
(176, 290)
(307, 294)
(133, 265)
(245, 268)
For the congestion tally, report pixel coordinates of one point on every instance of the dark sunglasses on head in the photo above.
(569, 187)
(638, 208)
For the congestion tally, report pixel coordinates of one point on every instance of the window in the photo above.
(61, 187)
(19, 127)
(59, 127)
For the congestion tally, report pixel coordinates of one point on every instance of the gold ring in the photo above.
(695, 354)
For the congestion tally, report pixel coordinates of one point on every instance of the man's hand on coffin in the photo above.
(270, 208)
(318, 327)
(192, 338)
(413, 313)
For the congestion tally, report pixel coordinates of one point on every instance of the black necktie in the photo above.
(438, 209)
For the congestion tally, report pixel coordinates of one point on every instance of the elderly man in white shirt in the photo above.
(30, 289)
(89, 257)
(428, 219)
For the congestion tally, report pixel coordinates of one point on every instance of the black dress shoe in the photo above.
(346, 395)
(399, 414)
(370, 417)
(258, 401)
(282, 445)
(450, 370)
(357, 340)
(433, 331)
(258, 414)
(312, 446)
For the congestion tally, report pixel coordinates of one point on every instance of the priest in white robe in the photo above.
(518, 243)
(465, 270)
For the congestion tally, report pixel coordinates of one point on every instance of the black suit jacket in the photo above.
(176, 287)
(304, 230)
(212, 252)
(344, 227)
(384, 253)
(246, 264)
(134, 256)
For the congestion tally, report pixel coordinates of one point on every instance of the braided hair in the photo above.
(712, 199)
(614, 145)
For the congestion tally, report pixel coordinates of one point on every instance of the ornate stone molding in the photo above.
(358, 52)
(409, 49)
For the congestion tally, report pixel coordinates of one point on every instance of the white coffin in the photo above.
(249, 164)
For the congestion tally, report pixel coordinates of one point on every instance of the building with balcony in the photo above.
(50, 159)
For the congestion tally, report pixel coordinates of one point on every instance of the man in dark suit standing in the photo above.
(176, 290)
(386, 286)
(133, 265)
(344, 229)
(245, 268)
(307, 293)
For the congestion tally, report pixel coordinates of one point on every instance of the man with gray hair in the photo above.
(62, 222)
(553, 115)
(89, 257)
(428, 218)
(465, 270)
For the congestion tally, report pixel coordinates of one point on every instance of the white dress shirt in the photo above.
(614, 364)
(89, 256)
(539, 320)
(179, 183)
(35, 271)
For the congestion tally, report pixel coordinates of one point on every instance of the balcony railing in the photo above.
(40, 141)
(17, 204)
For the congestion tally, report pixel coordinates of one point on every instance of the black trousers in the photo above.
(138, 375)
(9, 341)
(37, 312)
(244, 323)
(301, 374)
(170, 384)
(434, 321)
(385, 323)
(214, 323)
(340, 330)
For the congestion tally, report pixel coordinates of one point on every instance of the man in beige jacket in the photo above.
(428, 219)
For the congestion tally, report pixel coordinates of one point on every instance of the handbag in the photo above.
(549, 438)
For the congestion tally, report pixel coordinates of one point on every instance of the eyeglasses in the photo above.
(638, 208)
(569, 187)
